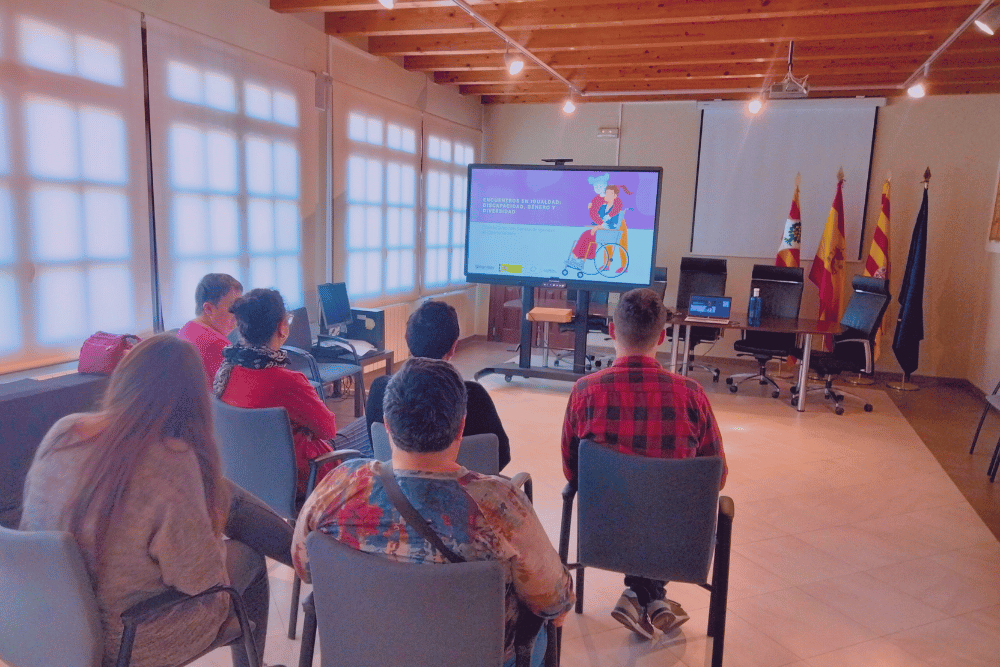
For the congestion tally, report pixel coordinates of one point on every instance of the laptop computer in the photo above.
(709, 309)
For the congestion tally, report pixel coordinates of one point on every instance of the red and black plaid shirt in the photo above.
(637, 407)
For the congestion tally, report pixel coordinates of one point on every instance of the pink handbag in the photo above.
(102, 352)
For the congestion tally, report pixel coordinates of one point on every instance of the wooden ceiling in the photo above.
(672, 49)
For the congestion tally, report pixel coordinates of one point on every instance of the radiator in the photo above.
(395, 330)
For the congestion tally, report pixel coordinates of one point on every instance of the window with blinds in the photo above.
(400, 245)
(73, 219)
(382, 170)
(228, 139)
(444, 249)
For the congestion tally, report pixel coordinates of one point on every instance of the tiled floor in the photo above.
(852, 545)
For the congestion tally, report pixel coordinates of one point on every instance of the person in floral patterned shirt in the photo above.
(479, 517)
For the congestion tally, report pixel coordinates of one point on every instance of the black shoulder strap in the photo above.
(410, 514)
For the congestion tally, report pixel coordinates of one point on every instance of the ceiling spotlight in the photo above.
(569, 107)
(386, 3)
(917, 90)
(514, 63)
(989, 21)
(755, 105)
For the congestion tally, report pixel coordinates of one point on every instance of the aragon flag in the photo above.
(877, 264)
(910, 322)
(788, 251)
(827, 270)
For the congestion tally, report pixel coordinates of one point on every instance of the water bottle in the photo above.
(753, 310)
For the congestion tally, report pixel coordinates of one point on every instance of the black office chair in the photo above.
(852, 349)
(703, 276)
(595, 324)
(780, 296)
(660, 282)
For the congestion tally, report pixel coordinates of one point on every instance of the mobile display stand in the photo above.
(523, 367)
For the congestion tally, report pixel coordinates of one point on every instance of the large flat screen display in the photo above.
(589, 227)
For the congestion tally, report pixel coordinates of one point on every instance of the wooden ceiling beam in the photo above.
(559, 98)
(720, 71)
(409, 20)
(805, 53)
(935, 25)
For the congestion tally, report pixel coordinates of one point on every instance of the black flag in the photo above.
(910, 323)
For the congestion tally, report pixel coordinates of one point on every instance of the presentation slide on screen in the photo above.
(562, 224)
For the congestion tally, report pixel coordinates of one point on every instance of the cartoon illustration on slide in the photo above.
(594, 251)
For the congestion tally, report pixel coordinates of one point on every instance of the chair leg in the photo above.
(308, 633)
(979, 428)
(994, 463)
(579, 589)
(293, 614)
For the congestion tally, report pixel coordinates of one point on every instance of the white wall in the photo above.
(955, 135)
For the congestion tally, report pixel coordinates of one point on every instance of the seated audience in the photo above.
(637, 407)
(432, 332)
(138, 484)
(213, 297)
(253, 375)
(479, 517)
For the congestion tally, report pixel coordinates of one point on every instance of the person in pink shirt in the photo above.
(213, 298)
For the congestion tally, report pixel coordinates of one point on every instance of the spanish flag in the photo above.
(877, 264)
(788, 251)
(828, 265)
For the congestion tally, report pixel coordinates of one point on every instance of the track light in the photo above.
(514, 63)
(917, 90)
(989, 21)
(755, 105)
(386, 3)
(569, 107)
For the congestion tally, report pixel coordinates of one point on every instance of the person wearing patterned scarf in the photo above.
(254, 374)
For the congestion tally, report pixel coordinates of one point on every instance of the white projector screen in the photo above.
(747, 166)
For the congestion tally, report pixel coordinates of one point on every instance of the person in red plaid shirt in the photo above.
(637, 407)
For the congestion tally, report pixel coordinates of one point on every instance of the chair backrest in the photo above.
(375, 611)
(299, 333)
(479, 453)
(867, 305)
(780, 289)
(700, 275)
(781, 296)
(258, 453)
(645, 516)
(380, 442)
(50, 615)
(660, 281)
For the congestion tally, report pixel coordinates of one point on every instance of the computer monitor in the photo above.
(335, 307)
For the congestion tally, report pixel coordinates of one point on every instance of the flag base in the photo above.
(860, 381)
(903, 386)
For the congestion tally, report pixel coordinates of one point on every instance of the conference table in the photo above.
(802, 326)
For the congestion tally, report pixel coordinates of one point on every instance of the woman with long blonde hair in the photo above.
(139, 485)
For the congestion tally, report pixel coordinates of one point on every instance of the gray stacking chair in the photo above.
(258, 455)
(50, 614)
(656, 518)
(450, 614)
(479, 453)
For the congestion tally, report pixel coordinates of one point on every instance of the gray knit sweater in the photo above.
(162, 538)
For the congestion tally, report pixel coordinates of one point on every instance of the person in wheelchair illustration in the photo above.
(594, 253)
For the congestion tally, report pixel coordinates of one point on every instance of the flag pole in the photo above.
(861, 379)
(905, 384)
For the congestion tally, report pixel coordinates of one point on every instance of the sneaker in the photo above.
(630, 613)
(666, 615)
